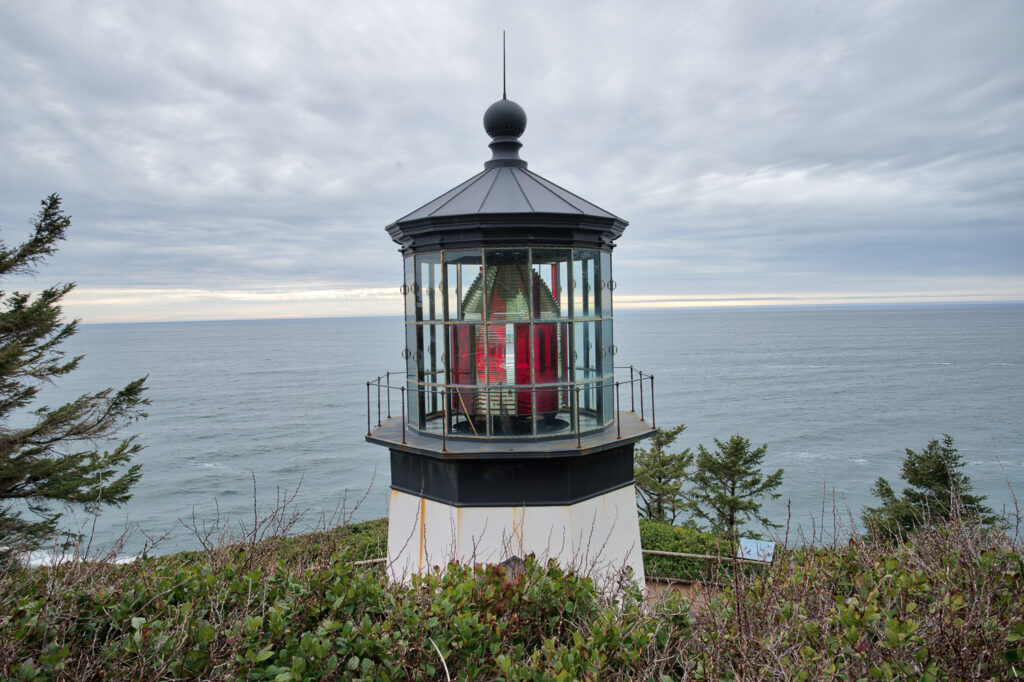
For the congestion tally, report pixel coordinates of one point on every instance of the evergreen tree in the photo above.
(937, 491)
(727, 485)
(660, 476)
(50, 457)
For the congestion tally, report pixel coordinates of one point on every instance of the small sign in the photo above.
(758, 550)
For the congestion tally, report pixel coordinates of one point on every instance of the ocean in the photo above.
(246, 413)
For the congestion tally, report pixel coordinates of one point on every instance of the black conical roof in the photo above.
(506, 204)
(506, 189)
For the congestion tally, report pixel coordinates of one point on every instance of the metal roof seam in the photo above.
(544, 182)
(529, 203)
(465, 186)
(479, 209)
(461, 187)
(535, 176)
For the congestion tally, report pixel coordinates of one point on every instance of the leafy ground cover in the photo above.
(945, 603)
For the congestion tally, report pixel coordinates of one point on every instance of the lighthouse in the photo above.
(508, 433)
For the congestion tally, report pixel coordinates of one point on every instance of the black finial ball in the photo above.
(504, 117)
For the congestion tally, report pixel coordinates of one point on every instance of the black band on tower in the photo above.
(512, 482)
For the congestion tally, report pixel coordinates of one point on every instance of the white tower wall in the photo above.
(596, 537)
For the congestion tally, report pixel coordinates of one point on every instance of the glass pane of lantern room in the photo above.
(464, 284)
(414, 371)
(585, 351)
(432, 408)
(507, 284)
(409, 284)
(608, 284)
(608, 401)
(492, 341)
(413, 341)
(585, 279)
(468, 372)
(550, 283)
(550, 357)
(590, 402)
(501, 403)
(433, 354)
(551, 410)
(607, 349)
(413, 402)
(428, 278)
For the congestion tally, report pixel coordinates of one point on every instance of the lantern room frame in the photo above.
(509, 342)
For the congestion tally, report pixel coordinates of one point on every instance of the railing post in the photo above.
(403, 415)
(641, 382)
(367, 408)
(579, 442)
(654, 423)
(618, 414)
(388, 375)
(378, 401)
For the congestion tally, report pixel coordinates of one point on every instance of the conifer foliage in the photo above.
(728, 485)
(51, 457)
(660, 477)
(936, 492)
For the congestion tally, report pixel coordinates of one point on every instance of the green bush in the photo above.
(687, 540)
(946, 604)
(174, 619)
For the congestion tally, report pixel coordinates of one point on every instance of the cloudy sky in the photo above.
(241, 159)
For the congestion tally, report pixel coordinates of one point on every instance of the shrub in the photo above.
(945, 604)
(663, 537)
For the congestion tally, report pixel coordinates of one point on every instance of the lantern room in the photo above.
(509, 431)
(513, 338)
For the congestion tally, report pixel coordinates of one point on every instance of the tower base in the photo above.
(598, 537)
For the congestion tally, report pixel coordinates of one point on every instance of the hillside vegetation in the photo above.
(947, 603)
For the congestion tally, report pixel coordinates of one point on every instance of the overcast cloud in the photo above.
(241, 159)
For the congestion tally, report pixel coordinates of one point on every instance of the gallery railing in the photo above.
(384, 390)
